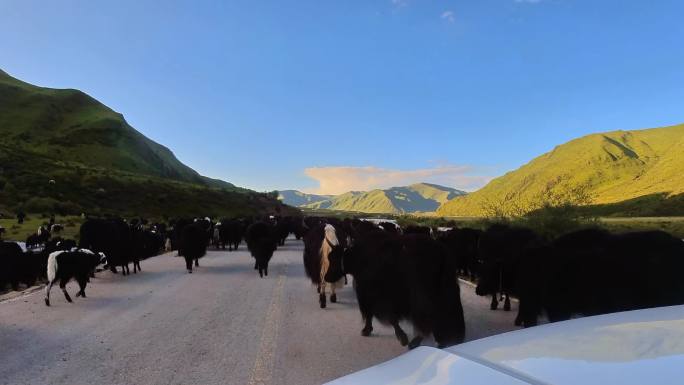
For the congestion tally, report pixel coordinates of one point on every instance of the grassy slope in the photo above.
(420, 197)
(19, 232)
(99, 163)
(617, 166)
(72, 126)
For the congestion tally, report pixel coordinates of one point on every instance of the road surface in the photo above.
(220, 325)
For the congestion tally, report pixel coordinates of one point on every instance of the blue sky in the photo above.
(328, 95)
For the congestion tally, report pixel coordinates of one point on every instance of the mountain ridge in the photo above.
(44, 120)
(614, 167)
(418, 197)
(96, 162)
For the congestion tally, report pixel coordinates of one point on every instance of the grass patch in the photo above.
(19, 232)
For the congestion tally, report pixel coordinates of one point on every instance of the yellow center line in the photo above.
(263, 363)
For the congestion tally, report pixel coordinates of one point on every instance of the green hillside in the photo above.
(420, 197)
(62, 150)
(618, 169)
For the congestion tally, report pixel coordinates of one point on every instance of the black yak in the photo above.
(407, 277)
(462, 244)
(12, 265)
(262, 241)
(113, 237)
(62, 266)
(282, 230)
(230, 233)
(591, 272)
(417, 230)
(499, 249)
(390, 227)
(193, 244)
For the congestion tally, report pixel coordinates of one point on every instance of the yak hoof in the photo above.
(68, 298)
(507, 306)
(333, 298)
(47, 302)
(403, 339)
(189, 271)
(494, 306)
(518, 321)
(321, 300)
(366, 331)
(415, 342)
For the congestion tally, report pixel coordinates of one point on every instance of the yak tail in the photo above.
(52, 265)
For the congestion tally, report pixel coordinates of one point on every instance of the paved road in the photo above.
(220, 325)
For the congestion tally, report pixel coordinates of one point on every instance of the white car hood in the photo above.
(425, 365)
(637, 347)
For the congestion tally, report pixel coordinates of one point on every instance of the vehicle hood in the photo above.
(636, 347)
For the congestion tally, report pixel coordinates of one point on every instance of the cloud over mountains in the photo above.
(340, 179)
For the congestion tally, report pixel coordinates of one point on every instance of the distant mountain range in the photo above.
(419, 197)
(96, 162)
(298, 199)
(634, 173)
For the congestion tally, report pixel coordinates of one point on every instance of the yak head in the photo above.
(102, 259)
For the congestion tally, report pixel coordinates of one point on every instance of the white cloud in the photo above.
(400, 3)
(338, 180)
(448, 16)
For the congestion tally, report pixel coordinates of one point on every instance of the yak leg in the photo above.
(518, 319)
(47, 292)
(399, 332)
(321, 296)
(196, 262)
(415, 342)
(368, 323)
(137, 263)
(188, 264)
(495, 304)
(333, 295)
(62, 285)
(82, 282)
(507, 303)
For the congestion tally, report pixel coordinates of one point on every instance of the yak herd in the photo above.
(399, 275)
